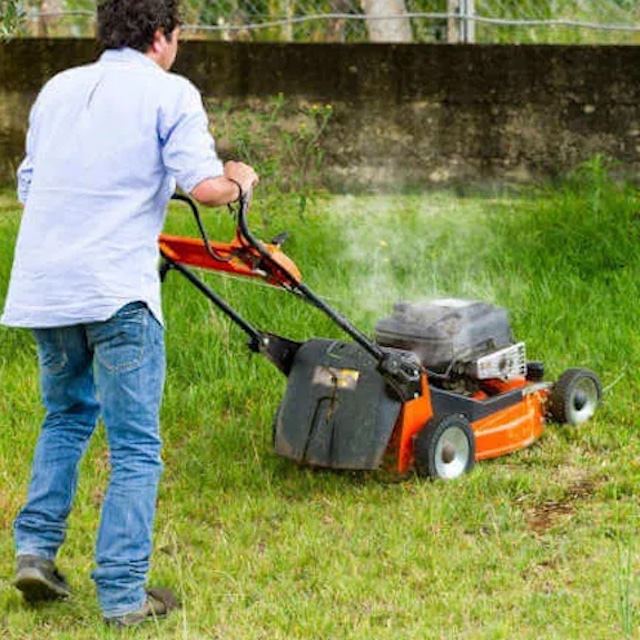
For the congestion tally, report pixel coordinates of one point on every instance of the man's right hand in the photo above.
(215, 192)
(241, 173)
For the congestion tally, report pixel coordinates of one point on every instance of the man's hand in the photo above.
(242, 174)
(215, 192)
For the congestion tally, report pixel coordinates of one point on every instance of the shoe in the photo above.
(39, 580)
(160, 601)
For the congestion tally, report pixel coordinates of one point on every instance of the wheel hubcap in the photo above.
(584, 400)
(452, 453)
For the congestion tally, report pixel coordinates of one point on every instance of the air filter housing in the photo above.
(445, 331)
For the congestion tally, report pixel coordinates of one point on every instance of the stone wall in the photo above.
(404, 115)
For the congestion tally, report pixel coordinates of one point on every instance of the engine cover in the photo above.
(444, 331)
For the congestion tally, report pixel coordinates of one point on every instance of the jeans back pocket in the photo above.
(119, 342)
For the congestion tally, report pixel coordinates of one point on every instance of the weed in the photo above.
(279, 138)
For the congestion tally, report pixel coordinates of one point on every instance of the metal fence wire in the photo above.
(352, 21)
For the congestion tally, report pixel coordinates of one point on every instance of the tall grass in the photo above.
(539, 544)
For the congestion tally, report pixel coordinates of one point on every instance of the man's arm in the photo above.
(238, 178)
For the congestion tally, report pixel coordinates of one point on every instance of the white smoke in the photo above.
(411, 248)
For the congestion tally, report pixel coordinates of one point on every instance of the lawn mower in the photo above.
(442, 384)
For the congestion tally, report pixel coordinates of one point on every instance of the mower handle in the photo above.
(244, 202)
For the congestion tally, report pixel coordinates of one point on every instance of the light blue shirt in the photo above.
(106, 145)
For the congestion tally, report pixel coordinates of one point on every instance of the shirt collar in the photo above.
(126, 55)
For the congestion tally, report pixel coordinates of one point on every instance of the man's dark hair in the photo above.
(132, 23)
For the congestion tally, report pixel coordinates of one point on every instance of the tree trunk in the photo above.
(283, 9)
(336, 26)
(47, 20)
(395, 29)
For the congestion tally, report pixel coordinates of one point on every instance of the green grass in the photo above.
(539, 544)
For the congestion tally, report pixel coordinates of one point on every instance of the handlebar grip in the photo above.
(245, 199)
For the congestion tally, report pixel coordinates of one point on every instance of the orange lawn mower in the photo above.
(442, 385)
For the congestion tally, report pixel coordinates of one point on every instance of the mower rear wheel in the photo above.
(445, 447)
(575, 396)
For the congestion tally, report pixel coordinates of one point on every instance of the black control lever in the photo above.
(280, 239)
(402, 370)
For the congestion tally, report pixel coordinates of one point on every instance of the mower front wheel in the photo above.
(575, 396)
(445, 447)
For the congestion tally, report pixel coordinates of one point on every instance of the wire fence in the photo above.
(354, 21)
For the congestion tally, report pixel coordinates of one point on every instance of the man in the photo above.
(107, 144)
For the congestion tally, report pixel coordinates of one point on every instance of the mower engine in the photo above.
(460, 342)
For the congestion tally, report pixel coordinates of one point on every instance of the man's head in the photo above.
(136, 23)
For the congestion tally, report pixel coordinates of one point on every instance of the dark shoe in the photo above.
(39, 580)
(157, 605)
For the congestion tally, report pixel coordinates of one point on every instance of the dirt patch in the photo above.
(550, 513)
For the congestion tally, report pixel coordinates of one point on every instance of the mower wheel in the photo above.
(445, 447)
(575, 396)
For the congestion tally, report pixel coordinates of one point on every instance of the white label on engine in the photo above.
(505, 364)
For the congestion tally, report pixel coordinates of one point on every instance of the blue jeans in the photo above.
(116, 369)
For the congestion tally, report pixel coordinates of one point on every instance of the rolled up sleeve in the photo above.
(188, 148)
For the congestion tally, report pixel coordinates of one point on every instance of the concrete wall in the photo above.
(404, 115)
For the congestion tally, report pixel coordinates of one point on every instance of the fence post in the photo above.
(461, 26)
(468, 21)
